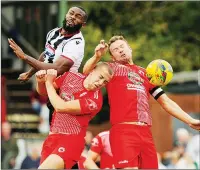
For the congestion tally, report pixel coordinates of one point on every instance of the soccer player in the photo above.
(100, 147)
(64, 48)
(128, 92)
(79, 100)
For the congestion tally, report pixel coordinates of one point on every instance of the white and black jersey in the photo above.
(156, 92)
(71, 47)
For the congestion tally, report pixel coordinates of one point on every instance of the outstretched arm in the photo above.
(61, 65)
(100, 50)
(32, 70)
(173, 109)
(23, 77)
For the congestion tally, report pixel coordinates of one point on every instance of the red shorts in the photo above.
(68, 147)
(133, 146)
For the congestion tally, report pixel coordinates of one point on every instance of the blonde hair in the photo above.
(105, 65)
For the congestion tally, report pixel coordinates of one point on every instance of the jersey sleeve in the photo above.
(59, 80)
(74, 49)
(91, 103)
(96, 145)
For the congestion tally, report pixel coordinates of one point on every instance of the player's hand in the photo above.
(101, 49)
(51, 75)
(40, 76)
(16, 49)
(195, 124)
(24, 77)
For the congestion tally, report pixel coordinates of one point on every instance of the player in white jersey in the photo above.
(64, 49)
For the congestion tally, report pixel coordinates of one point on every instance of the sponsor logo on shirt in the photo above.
(123, 162)
(61, 149)
(135, 78)
(131, 86)
(49, 51)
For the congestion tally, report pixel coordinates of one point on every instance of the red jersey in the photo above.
(128, 93)
(101, 145)
(71, 88)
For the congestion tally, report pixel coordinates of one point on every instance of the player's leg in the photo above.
(125, 146)
(53, 161)
(148, 155)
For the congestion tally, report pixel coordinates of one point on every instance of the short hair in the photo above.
(113, 39)
(104, 64)
(86, 15)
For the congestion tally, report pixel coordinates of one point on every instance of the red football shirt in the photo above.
(128, 94)
(71, 88)
(101, 145)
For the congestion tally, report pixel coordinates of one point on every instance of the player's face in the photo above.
(74, 20)
(121, 51)
(98, 78)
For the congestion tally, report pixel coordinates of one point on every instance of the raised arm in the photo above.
(72, 107)
(173, 109)
(100, 50)
(40, 82)
(23, 77)
(61, 65)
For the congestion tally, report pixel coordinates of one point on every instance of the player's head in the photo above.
(120, 50)
(75, 18)
(99, 77)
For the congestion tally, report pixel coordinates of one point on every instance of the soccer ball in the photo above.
(159, 72)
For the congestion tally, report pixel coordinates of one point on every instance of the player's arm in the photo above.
(100, 50)
(23, 77)
(90, 160)
(32, 70)
(72, 107)
(40, 83)
(62, 65)
(174, 109)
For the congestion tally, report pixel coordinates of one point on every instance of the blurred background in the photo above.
(165, 30)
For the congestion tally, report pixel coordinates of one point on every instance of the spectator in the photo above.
(160, 164)
(182, 140)
(39, 105)
(174, 157)
(32, 160)
(185, 162)
(9, 148)
(193, 149)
